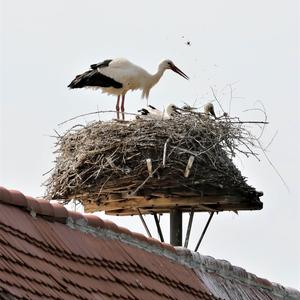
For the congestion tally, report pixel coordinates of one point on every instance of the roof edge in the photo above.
(55, 212)
(226, 270)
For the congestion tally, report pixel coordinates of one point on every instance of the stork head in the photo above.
(172, 110)
(168, 64)
(209, 109)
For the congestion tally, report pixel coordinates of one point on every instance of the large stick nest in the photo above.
(103, 158)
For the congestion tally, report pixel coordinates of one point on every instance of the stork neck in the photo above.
(152, 80)
(156, 77)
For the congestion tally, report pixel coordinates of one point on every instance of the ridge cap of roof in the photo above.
(55, 212)
(226, 270)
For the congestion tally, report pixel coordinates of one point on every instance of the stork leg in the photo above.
(122, 107)
(117, 107)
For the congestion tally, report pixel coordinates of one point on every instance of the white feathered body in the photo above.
(118, 76)
(130, 75)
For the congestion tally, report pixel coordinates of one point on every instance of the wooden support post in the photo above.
(188, 231)
(176, 227)
(144, 223)
(204, 230)
(158, 227)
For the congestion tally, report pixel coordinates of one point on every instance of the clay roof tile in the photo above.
(111, 225)
(33, 205)
(94, 221)
(5, 196)
(76, 217)
(60, 213)
(15, 197)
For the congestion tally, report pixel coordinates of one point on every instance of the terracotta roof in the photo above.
(234, 283)
(48, 252)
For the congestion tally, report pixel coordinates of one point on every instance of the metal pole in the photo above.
(176, 227)
(144, 223)
(204, 230)
(188, 231)
(158, 227)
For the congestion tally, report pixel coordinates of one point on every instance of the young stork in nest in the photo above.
(209, 109)
(118, 76)
(152, 113)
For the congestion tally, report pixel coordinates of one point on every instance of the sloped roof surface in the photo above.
(42, 258)
(47, 252)
(234, 283)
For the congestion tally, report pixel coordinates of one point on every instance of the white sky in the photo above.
(253, 44)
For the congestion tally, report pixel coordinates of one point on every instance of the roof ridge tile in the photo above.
(56, 212)
(225, 269)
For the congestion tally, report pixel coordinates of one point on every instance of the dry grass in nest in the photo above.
(103, 158)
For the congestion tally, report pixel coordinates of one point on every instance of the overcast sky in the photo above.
(249, 44)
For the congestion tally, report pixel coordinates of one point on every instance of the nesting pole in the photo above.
(176, 227)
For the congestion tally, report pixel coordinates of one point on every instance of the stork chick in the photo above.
(152, 113)
(209, 109)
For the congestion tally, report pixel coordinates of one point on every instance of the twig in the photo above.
(215, 97)
(156, 169)
(249, 122)
(165, 152)
(273, 166)
(93, 113)
(263, 110)
(149, 166)
(271, 141)
(189, 166)
(47, 172)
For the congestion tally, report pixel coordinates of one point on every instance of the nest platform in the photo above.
(145, 166)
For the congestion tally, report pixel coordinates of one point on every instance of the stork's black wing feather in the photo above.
(93, 78)
(144, 111)
(101, 65)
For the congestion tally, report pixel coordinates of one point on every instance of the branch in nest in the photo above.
(105, 157)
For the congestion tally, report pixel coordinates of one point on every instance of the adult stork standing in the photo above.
(118, 76)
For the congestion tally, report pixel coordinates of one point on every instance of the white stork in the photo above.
(117, 76)
(152, 113)
(209, 109)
